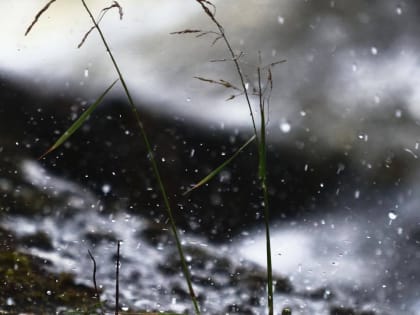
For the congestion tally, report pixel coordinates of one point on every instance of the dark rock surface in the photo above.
(109, 151)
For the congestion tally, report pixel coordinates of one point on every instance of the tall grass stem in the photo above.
(261, 144)
(235, 61)
(153, 164)
(262, 165)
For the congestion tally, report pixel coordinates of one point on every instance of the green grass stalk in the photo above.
(153, 164)
(261, 144)
(234, 59)
(262, 166)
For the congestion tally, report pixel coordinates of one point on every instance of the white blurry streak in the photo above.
(313, 258)
(160, 67)
(396, 75)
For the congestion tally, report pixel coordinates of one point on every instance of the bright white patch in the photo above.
(38, 176)
(312, 258)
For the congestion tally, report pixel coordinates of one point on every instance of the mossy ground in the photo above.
(27, 285)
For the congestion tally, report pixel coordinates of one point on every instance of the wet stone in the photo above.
(39, 240)
(97, 237)
(282, 285)
(238, 309)
(169, 268)
(156, 234)
(7, 240)
(342, 311)
(180, 292)
(205, 281)
(255, 300)
(339, 310)
(320, 294)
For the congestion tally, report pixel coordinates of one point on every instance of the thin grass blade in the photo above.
(79, 122)
(154, 165)
(38, 15)
(220, 167)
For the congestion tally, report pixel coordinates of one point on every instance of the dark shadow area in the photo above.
(108, 151)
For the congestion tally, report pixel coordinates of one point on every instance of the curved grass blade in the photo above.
(220, 167)
(76, 125)
(154, 165)
(38, 15)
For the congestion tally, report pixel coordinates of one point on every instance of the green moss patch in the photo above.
(27, 286)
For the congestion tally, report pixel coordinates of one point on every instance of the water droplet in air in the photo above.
(398, 113)
(398, 10)
(10, 301)
(357, 194)
(363, 137)
(106, 189)
(376, 99)
(374, 50)
(392, 215)
(280, 19)
(48, 292)
(285, 127)
(86, 73)
(354, 67)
